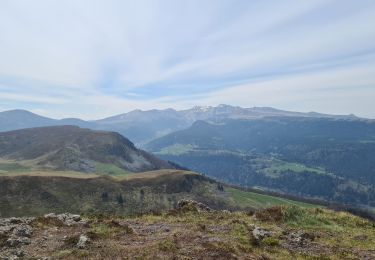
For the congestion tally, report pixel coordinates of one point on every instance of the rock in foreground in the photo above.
(191, 234)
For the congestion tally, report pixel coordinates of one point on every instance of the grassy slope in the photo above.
(8, 166)
(11, 167)
(243, 198)
(51, 191)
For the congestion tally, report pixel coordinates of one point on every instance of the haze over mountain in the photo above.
(143, 126)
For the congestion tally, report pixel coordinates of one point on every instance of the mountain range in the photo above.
(314, 155)
(144, 126)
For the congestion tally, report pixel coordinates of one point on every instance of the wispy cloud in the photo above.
(97, 58)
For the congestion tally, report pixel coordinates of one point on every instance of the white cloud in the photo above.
(74, 55)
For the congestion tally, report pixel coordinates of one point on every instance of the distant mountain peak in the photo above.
(18, 111)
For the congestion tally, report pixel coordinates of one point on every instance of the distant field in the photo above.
(274, 167)
(255, 200)
(70, 174)
(152, 174)
(12, 167)
(295, 167)
(119, 176)
(177, 149)
(110, 169)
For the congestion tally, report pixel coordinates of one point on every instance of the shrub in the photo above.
(298, 216)
(270, 214)
(42, 222)
(292, 214)
(270, 241)
(120, 199)
(101, 231)
(167, 245)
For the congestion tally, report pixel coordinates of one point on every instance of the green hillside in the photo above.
(40, 192)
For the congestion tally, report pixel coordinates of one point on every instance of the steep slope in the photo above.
(326, 158)
(74, 148)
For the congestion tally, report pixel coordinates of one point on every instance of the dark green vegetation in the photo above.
(331, 159)
(36, 193)
(74, 148)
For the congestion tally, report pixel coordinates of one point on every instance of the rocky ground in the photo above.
(191, 231)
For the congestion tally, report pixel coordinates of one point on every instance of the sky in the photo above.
(91, 59)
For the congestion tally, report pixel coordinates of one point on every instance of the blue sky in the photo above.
(92, 59)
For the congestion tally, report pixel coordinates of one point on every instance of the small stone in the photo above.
(82, 242)
(19, 253)
(360, 238)
(23, 231)
(18, 241)
(260, 234)
(76, 218)
(252, 227)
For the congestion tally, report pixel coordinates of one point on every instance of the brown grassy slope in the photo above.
(74, 148)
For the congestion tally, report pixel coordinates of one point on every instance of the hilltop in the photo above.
(74, 148)
(34, 193)
(191, 231)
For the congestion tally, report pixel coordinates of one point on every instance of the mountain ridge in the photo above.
(143, 126)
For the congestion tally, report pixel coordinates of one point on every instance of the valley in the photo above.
(310, 157)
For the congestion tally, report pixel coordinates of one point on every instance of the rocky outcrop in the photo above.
(192, 205)
(14, 233)
(298, 237)
(257, 234)
(66, 218)
(17, 233)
